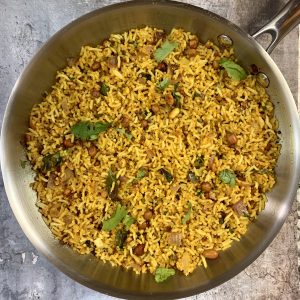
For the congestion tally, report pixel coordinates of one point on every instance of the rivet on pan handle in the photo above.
(281, 24)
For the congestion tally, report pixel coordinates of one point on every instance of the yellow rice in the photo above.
(221, 106)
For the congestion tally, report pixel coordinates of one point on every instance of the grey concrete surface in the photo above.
(24, 274)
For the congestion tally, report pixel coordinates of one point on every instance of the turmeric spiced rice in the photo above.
(153, 151)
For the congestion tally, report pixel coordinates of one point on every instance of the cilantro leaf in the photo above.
(162, 274)
(88, 130)
(51, 161)
(125, 133)
(227, 177)
(164, 84)
(141, 173)
(188, 214)
(128, 221)
(167, 174)
(176, 96)
(116, 219)
(104, 89)
(235, 71)
(112, 185)
(166, 48)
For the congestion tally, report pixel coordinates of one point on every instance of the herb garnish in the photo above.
(116, 219)
(141, 173)
(51, 161)
(125, 133)
(164, 84)
(228, 177)
(188, 214)
(167, 174)
(235, 71)
(104, 89)
(166, 48)
(162, 274)
(192, 176)
(89, 131)
(128, 221)
(176, 95)
(112, 185)
(121, 237)
(199, 161)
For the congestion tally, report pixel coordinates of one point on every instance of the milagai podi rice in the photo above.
(153, 151)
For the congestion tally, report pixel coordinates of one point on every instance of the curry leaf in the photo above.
(88, 131)
(166, 48)
(167, 174)
(121, 237)
(116, 219)
(228, 177)
(162, 274)
(51, 161)
(235, 71)
(188, 214)
(112, 185)
(128, 221)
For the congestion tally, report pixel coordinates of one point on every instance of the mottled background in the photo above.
(24, 274)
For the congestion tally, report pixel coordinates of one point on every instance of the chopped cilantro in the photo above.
(176, 95)
(128, 221)
(227, 177)
(141, 173)
(51, 161)
(166, 48)
(235, 71)
(104, 89)
(162, 274)
(188, 214)
(164, 84)
(116, 219)
(127, 134)
(88, 131)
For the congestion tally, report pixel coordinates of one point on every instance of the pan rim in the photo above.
(113, 291)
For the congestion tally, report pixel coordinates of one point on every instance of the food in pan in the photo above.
(153, 151)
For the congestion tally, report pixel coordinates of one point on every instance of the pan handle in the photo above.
(281, 24)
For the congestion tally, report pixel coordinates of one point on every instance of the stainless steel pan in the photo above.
(92, 28)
